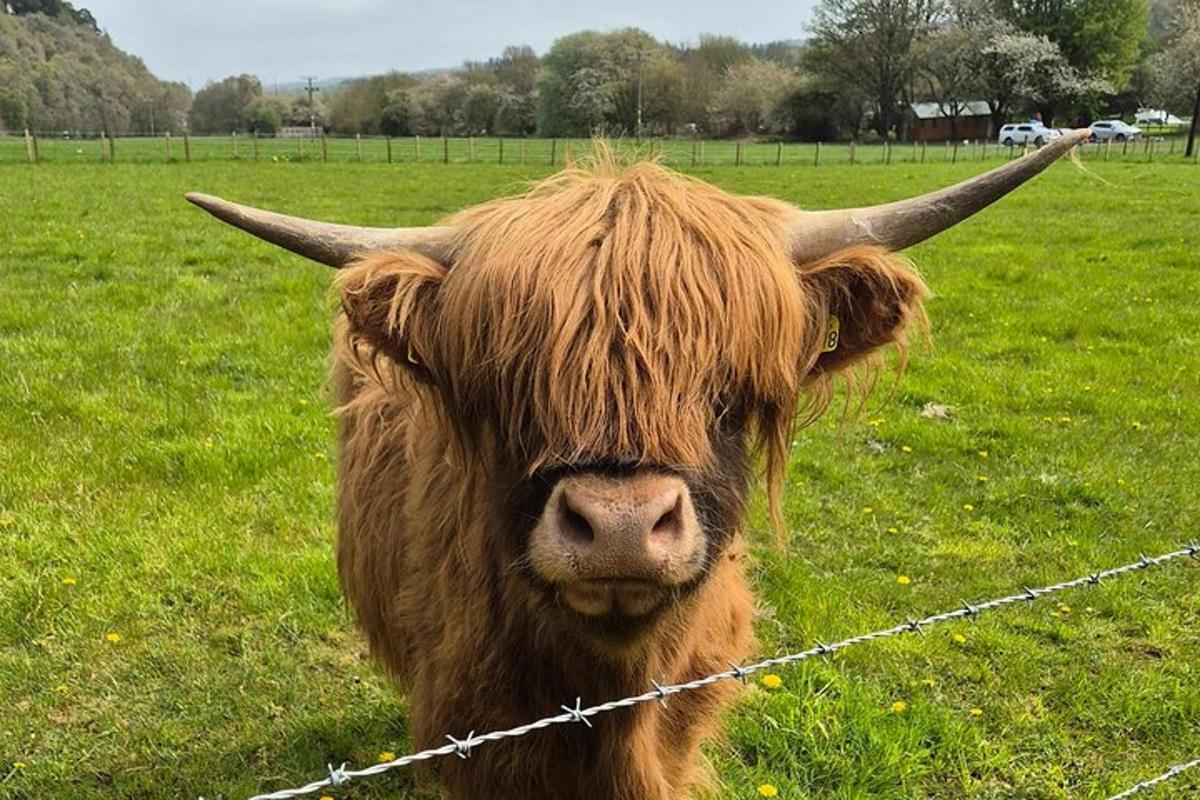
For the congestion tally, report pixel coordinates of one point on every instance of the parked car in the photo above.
(1113, 129)
(1156, 116)
(1026, 133)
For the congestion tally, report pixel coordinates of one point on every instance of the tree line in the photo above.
(860, 65)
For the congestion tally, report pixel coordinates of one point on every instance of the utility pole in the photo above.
(311, 89)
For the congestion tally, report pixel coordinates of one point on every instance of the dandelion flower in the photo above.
(112, 637)
(1072, 542)
(967, 507)
(928, 682)
(868, 510)
(903, 580)
(981, 478)
(208, 444)
(387, 755)
(61, 688)
(6, 519)
(906, 449)
(976, 712)
(768, 790)
(983, 453)
(19, 765)
(893, 530)
(899, 707)
(772, 681)
(959, 638)
(319, 456)
(875, 423)
(68, 580)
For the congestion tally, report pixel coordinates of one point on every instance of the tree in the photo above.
(703, 69)
(518, 115)
(13, 111)
(223, 106)
(1097, 37)
(870, 45)
(947, 63)
(396, 119)
(480, 105)
(1174, 73)
(750, 98)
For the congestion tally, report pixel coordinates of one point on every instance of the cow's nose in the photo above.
(630, 528)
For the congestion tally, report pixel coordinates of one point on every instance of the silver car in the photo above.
(1113, 129)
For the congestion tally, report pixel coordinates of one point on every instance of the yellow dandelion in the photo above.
(983, 453)
(19, 765)
(981, 478)
(875, 423)
(771, 681)
(319, 456)
(61, 688)
(967, 507)
(893, 530)
(1065, 420)
(928, 682)
(899, 707)
(903, 580)
(112, 637)
(1047, 419)
(208, 444)
(906, 449)
(1055, 614)
(1064, 608)
(68, 580)
(959, 638)
(1072, 542)
(386, 755)
(6, 519)
(768, 790)
(976, 712)
(303, 402)
(325, 797)
(1120, 481)
(868, 510)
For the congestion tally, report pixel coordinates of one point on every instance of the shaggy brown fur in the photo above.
(607, 319)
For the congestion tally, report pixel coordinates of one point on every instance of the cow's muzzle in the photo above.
(618, 546)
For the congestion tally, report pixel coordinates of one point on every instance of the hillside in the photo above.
(58, 72)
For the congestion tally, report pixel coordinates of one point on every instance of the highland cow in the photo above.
(552, 409)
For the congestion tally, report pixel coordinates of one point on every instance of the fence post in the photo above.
(693, 152)
(389, 148)
(358, 146)
(521, 151)
(1025, 149)
(817, 155)
(851, 152)
(300, 147)
(1125, 148)
(417, 148)
(954, 157)
(779, 153)
(112, 148)
(470, 149)
(445, 149)
(500, 147)
(984, 156)
(187, 147)
(924, 147)
(167, 144)
(702, 152)
(1172, 147)
(553, 150)
(29, 147)
(1150, 150)
(103, 148)
(887, 152)
(324, 146)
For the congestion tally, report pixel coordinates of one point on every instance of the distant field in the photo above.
(170, 622)
(542, 152)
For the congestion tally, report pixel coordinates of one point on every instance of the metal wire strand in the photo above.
(1174, 771)
(660, 692)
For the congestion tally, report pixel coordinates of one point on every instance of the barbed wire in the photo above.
(340, 776)
(1174, 771)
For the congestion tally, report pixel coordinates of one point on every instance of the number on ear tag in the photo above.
(832, 334)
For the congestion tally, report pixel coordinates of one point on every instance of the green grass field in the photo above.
(170, 622)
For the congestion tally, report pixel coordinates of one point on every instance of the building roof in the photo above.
(932, 110)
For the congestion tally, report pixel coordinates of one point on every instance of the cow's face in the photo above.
(616, 350)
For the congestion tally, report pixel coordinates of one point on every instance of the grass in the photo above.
(165, 476)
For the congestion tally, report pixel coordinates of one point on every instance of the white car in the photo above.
(1113, 129)
(1026, 133)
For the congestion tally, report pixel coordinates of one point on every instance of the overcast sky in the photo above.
(196, 41)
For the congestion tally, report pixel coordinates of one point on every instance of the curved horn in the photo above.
(324, 242)
(817, 234)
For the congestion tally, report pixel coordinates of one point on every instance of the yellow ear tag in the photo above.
(412, 356)
(832, 334)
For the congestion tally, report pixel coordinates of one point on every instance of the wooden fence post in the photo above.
(954, 158)
(187, 147)
(112, 148)
(470, 149)
(693, 152)
(1150, 151)
(817, 155)
(500, 147)
(167, 144)
(851, 152)
(702, 152)
(358, 146)
(445, 149)
(417, 148)
(924, 147)
(521, 151)
(256, 145)
(984, 156)
(103, 148)
(779, 153)
(887, 152)
(389, 149)
(233, 144)
(324, 147)
(1125, 148)
(553, 150)
(29, 147)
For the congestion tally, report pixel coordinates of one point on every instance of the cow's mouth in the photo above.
(619, 598)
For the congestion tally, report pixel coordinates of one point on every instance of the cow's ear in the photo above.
(390, 301)
(862, 298)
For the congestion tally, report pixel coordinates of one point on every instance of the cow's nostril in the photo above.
(574, 526)
(669, 522)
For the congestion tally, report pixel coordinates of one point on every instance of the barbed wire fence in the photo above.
(462, 748)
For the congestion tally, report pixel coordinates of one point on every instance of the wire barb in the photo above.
(1142, 786)
(340, 776)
